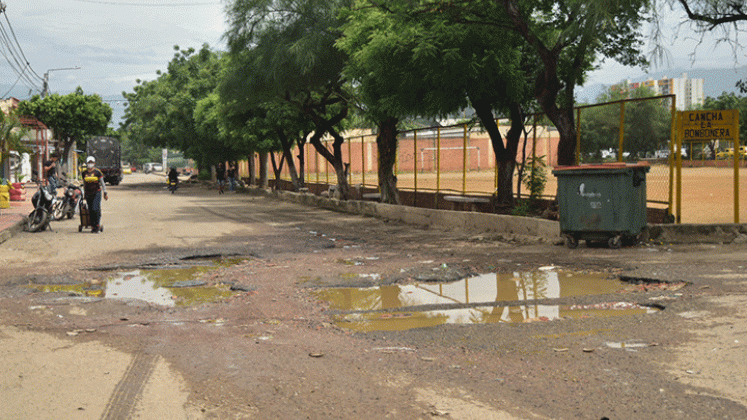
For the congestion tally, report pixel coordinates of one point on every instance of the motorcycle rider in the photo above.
(173, 175)
(94, 187)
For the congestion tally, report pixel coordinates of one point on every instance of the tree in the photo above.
(11, 133)
(137, 153)
(285, 50)
(406, 65)
(566, 36)
(73, 117)
(161, 112)
(730, 101)
(647, 123)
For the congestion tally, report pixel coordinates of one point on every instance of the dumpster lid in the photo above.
(603, 166)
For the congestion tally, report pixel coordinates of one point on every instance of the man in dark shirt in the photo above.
(50, 173)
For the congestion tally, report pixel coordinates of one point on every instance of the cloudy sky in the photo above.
(115, 42)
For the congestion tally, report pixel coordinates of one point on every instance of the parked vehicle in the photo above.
(107, 152)
(44, 202)
(728, 153)
(152, 167)
(70, 200)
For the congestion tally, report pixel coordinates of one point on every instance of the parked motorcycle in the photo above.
(44, 202)
(69, 202)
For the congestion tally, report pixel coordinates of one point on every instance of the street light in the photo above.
(45, 91)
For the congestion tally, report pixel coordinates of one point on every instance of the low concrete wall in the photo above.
(467, 221)
(702, 234)
(514, 225)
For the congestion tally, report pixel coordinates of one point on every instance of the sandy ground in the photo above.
(273, 349)
(707, 193)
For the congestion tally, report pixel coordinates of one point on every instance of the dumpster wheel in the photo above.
(615, 242)
(571, 241)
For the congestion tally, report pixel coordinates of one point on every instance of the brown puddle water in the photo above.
(165, 287)
(392, 302)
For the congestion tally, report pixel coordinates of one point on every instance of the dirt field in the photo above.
(707, 193)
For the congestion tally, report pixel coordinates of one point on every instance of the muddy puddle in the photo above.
(488, 298)
(165, 287)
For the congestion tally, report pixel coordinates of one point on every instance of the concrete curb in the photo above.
(474, 222)
(14, 228)
(448, 219)
(728, 233)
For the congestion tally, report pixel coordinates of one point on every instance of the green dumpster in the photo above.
(602, 202)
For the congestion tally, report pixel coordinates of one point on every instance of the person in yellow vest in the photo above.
(94, 187)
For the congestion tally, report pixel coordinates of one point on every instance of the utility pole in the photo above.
(45, 90)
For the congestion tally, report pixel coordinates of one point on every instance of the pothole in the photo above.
(488, 298)
(168, 287)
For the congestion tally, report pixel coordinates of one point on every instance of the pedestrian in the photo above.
(94, 187)
(220, 175)
(50, 173)
(231, 175)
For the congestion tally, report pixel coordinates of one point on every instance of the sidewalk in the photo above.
(12, 219)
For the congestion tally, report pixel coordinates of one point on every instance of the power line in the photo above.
(112, 3)
(13, 53)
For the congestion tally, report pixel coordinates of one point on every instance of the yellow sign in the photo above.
(709, 125)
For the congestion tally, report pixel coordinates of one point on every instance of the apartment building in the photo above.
(689, 91)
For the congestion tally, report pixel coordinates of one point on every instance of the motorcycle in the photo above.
(44, 203)
(70, 200)
(173, 185)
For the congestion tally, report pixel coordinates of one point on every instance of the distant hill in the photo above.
(715, 81)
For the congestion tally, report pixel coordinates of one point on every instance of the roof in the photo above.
(32, 122)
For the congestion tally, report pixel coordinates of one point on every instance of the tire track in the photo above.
(121, 404)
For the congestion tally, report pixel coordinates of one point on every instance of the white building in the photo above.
(689, 91)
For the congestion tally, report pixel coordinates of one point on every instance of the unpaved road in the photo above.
(272, 350)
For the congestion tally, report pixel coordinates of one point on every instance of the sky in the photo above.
(116, 42)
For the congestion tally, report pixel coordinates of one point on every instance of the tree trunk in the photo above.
(335, 159)
(301, 144)
(263, 179)
(547, 86)
(288, 157)
(323, 125)
(252, 169)
(505, 155)
(276, 169)
(386, 143)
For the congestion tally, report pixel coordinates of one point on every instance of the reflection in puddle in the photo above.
(165, 287)
(134, 285)
(488, 288)
(159, 287)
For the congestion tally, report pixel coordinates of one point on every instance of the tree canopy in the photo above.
(73, 117)
(162, 112)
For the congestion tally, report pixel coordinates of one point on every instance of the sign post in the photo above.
(708, 125)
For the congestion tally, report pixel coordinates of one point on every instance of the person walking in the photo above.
(94, 187)
(220, 175)
(231, 175)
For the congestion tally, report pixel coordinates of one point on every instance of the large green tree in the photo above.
(161, 112)
(73, 117)
(284, 50)
(428, 65)
(566, 36)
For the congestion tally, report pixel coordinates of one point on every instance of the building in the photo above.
(689, 92)
(38, 140)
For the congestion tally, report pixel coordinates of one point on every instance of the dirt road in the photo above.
(268, 335)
